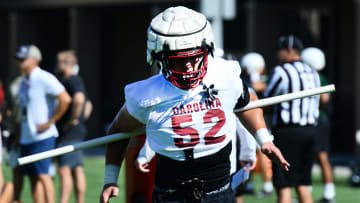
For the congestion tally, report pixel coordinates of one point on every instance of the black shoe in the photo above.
(324, 200)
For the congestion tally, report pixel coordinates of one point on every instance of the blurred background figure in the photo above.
(245, 157)
(13, 120)
(43, 101)
(2, 96)
(6, 190)
(254, 66)
(72, 127)
(2, 99)
(315, 58)
(294, 122)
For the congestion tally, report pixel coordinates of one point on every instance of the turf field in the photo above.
(94, 169)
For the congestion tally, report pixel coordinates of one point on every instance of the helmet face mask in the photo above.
(176, 64)
(176, 37)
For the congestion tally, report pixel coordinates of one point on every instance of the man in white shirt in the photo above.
(43, 100)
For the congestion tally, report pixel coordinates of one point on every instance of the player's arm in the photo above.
(63, 103)
(254, 121)
(115, 152)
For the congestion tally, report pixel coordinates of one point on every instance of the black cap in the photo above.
(290, 41)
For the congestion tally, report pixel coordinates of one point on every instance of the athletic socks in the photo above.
(268, 187)
(329, 191)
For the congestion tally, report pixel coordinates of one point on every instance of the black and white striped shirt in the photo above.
(293, 77)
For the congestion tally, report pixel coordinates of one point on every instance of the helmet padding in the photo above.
(179, 29)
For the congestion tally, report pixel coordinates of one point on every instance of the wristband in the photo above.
(262, 135)
(111, 173)
(142, 160)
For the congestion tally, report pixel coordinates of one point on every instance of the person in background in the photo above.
(2, 99)
(43, 101)
(14, 123)
(253, 64)
(72, 128)
(315, 58)
(294, 122)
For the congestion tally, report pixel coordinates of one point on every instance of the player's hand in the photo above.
(274, 154)
(142, 167)
(248, 165)
(109, 190)
(43, 127)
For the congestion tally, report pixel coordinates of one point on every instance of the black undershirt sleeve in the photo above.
(244, 98)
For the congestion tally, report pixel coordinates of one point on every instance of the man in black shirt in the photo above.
(72, 128)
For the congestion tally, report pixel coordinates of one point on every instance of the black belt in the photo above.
(189, 191)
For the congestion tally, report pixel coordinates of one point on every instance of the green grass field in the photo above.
(94, 169)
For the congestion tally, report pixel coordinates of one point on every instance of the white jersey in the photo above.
(179, 119)
(247, 147)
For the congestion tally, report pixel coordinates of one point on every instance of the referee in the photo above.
(294, 122)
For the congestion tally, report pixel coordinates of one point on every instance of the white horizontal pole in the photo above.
(287, 97)
(80, 146)
(119, 136)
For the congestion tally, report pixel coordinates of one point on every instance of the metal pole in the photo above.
(120, 136)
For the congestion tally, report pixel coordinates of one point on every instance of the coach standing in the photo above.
(72, 128)
(38, 94)
(294, 122)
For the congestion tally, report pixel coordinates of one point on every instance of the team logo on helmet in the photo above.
(178, 33)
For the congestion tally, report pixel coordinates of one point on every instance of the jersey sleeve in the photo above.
(235, 67)
(233, 72)
(146, 154)
(132, 103)
(247, 143)
(52, 85)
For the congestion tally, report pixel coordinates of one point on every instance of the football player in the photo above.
(188, 114)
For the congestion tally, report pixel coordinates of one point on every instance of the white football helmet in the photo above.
(314, 57)
(179, 32)
(252, 62)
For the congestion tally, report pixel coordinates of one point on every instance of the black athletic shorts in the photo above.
(322, 138)
(72, 159)
(297, 146)
(72, 136)
(213, 170)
